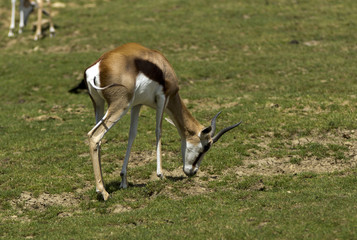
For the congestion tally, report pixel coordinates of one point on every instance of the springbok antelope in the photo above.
(26, 7)
(127, 78)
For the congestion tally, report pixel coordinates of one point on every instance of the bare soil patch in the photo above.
(259, 164)
(27, 201)
(138, 159)
(42, 118)
(275, 166)
(185, 186)
(118, 208)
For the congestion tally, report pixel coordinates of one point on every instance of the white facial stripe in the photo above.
(192, 152)
(193, 155)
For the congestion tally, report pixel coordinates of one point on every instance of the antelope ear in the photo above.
(206, 131)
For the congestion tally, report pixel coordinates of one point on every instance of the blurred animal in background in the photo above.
(26, 8)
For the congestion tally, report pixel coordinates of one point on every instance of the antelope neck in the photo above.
(186, 124)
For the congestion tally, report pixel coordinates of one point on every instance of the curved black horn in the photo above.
(213, 124)
(220, 134)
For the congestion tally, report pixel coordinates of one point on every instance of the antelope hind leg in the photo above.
(95, 136)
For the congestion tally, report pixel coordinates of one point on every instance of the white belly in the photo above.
(146, 91)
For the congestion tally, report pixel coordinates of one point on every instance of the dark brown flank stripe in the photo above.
(150, 70)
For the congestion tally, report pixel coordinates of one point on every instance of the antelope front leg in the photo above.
(161, 104)
(134, 118)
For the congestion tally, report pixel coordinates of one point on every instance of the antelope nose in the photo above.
(190, 171)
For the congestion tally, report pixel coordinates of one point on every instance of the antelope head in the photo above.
(194, 150)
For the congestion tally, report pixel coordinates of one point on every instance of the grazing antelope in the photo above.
(127, 78)
(27, 7)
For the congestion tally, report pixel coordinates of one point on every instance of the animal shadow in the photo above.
(175, 179)
(114, 186)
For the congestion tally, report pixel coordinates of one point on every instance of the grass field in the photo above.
(287, 68)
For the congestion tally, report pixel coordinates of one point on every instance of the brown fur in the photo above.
(122, 65)
(187, 126)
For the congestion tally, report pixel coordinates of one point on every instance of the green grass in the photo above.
(286, 68)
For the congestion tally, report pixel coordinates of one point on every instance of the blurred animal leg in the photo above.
(13, 14)
(38, 32)
(52, 28)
